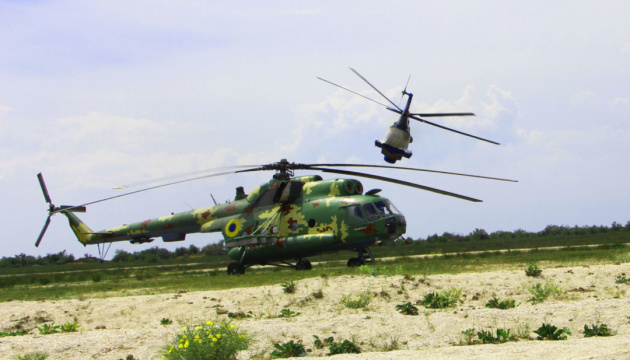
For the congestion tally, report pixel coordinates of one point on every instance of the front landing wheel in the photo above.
(355, 262)
(236, 268)
(303, 264)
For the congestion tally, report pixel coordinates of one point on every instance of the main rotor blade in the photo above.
(453, 130)
(192, 173)
(150, 188)
(41, 234)
(354, 92)
(374, 87)
(42, 184)
(414, 169)
(444, 114)
(396, 181)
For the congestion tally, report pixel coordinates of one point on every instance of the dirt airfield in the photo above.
(116, 327)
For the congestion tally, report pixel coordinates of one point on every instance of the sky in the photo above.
(96, 94)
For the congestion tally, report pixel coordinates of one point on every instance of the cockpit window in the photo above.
(354, 215)
(386, 208)
(370, 212)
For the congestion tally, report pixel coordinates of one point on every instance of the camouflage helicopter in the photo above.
(288, 218)
(395, 145)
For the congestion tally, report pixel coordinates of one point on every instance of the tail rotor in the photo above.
(52, 209)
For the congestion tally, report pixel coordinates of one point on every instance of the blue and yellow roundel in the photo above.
(233, 228)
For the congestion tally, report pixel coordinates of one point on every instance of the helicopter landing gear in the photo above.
(303, 264)
(359, 261)
(236, 268)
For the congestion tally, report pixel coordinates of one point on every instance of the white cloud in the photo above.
(585, 98)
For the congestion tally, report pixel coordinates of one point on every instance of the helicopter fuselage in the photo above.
(398, 137)
(279, 220)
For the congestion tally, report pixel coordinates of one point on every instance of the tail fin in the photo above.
(81, 230)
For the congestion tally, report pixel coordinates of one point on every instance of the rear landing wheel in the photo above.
(236, 268)
(355, 262)
(303, 264)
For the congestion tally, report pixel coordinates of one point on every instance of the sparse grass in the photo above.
(13, 333)
(73, 281)
(442, 300)
(32, 356)
(359, 302)
(289, 287)
(540, 292)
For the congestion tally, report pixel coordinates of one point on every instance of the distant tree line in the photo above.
(550, 230)
(155, 254)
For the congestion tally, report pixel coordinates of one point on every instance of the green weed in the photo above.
(622, 279)
(289, 287)
(345, 347)
(207, 341)
(166, 321)
(70, 327)
(288, 313)
(445, 299)
(319, 344)
(598, 330)
(496, 303)
(540, 292)
(32, 356)
(288, 350)
(551, 332)
(13, 333)
(356, 303)
(533, 270)
(407, 309)
(486, 337)
(240, 315)
(47, 329)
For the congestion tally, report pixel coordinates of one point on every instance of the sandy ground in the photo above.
(116, 327)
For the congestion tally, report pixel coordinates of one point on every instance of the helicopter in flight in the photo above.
(395, 145)
(286, 219)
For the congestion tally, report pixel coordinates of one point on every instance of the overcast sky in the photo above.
(96, 94)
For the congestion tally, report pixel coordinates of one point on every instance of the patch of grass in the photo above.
(288, 350)
(407, 309)
(540, 292)
(240, 315)
(288, 313)
(373, 270)
(622, 279)
(344, 347)
(442, 300)
(70, 327)
(13, 333)
(356, 303)
(207, 341)
(496, 303)
(533, 270)
(598, 330)
(32, 356)
(289, 287)
(551, 332)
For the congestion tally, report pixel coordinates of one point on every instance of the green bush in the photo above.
(207, 341)
(407, 309)
(345, 347)
(533, 270)
(32, 356)
(551, 332)
(288, 350)
(289, 287)
(598, 330)
(540, 292)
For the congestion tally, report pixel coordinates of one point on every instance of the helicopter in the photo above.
(289, 218)
(395, 144)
